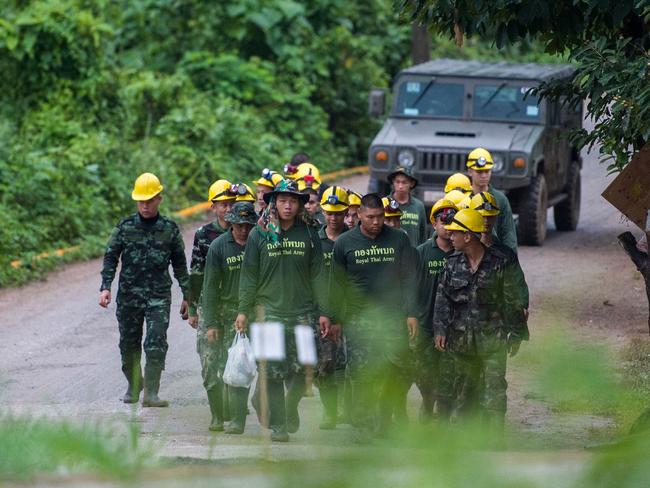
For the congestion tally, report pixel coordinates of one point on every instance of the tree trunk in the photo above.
(420, 44)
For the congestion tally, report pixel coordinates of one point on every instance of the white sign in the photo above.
(411, 111)
(267, 339)
(305, 345)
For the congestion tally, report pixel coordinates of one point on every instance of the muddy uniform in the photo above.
(480, 313)
(514, 270)
(146, 248)
(414, 220)
(433, 373)
(504, 228)
(282, 278)
(203, 237)
(372, 291)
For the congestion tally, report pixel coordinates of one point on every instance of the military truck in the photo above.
(443, 109)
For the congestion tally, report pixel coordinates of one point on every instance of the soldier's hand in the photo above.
(104, 298)
(513, 348)
(193, 321)
(212, 335)
(412, 325)
(325, 324)
(335, 332)
(440, 342)
(184, 309)
(241, 324)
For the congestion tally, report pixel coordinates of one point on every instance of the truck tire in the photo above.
(532, 213)
(567, 213)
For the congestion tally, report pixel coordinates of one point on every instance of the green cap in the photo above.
(242, 213)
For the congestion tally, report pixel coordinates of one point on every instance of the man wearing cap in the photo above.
(479, 319)
(372, 294)
(220, 301)
(479, 166)
(265, 184)
(146, 243)
(280, 271)
(433, 374)
(414, 215)
(222, 195)
(392, 213)
(331, 353)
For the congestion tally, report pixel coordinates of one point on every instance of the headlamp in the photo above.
(446, 215)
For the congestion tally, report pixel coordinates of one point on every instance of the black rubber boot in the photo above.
(329, 399)
(215, 399)
(226, 404)
(278, 412)
(238, 398)
(295, 392)
(151, 387)
(133, 374)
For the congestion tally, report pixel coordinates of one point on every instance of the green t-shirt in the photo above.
(376, 275)
(281, 276)
(504, 228)
(414, 220)
(431, 262)
(221, 278)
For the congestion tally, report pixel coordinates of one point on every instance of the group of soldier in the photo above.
(389, 306)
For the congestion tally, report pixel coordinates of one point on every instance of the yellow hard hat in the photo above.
(456, 196)
(467, 220)
(458, 181)
(354, 199)
(245, 193)
(485, 204)
(221, 190)
(146, 186)
(391, 207)
(480, 159)
(269, 178)
(306, 170)
(443, 204)
(465, 202)
(334, 199)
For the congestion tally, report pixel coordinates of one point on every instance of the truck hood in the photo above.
(458, 134)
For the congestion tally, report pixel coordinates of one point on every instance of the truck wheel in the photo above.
(567, 213)
(376, 185)
(532, 213)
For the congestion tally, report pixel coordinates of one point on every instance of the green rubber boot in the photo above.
(151, 387)
(215, 399)
(238, 398)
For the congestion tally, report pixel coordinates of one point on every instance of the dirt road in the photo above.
(59, 352)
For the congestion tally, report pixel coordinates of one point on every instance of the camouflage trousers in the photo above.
(480, 383)
(132, 315)
(379, 367)
(434, 375)
(214, 355)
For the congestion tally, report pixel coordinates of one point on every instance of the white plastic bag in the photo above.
(240, 367)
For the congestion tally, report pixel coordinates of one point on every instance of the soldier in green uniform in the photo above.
(414, 215)
(146, 243)
(331, 353)
(220, 301)
(479, 166)
(222, 195)
(372, 294)
(432, 372)
(280, 272)
(479, 318)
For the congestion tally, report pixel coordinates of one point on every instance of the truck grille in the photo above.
(448, 162)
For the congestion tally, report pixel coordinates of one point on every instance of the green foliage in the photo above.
(608, 42)
(32, 447)
(98, 91)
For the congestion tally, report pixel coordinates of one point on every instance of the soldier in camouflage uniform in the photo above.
(222, 195)
(147, 243)
(479, 318)
(220, 300)
(282, 264)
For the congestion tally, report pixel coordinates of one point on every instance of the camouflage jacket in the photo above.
(486, 304)
(202, 240)
(146, 248)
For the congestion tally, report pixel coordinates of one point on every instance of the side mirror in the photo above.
(377, 102)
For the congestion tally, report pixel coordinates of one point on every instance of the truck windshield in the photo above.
(428, 98)
(505, 102)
